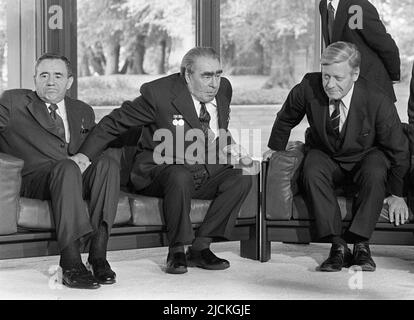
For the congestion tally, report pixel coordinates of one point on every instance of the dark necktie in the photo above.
(331, 20)
(336, 116)
(57, 121)
(205, 120)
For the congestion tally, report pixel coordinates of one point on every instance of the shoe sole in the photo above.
(80, 287)
(334, 270)
(216, 268)
(176, 271)
(365, 268)
(106, 282)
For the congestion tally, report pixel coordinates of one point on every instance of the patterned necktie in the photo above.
(331, 20)
(336, 116)
(58, 121)
(205, 121)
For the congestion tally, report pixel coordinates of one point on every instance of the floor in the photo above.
(290, 274)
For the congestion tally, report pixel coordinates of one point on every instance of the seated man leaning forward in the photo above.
(45, 128)
(355, 136)
(185, 117)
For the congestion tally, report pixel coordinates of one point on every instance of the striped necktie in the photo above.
(336, 116)
(58, 121)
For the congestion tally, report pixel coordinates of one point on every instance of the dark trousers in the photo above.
(63, 184)
(175, 184)
(321, 175)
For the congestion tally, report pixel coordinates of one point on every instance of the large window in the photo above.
(267, 46)
(124, 43)
(3, 45)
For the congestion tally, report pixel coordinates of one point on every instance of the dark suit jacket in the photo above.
(372, 122)
(159, 103)
(380, 55)
(27, 130)
(411, 99)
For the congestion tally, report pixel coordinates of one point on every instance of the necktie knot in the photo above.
(58, 121)
(204, 115)
(53, 107)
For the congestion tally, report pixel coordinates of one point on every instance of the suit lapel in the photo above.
(73, 120)
(223, 111)
(37, 108)
(341, 18)
(185, 105)
(319, 106)
(356, 116)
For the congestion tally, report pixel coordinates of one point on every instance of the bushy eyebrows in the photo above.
(210, 74)
(55, 73)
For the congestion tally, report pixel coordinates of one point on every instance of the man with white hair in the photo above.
(355, 136)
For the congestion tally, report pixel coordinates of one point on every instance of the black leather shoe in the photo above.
(176, 263)
(362, 257)
(102, 271)
(339, 257)
(79, 277)
(206, 259)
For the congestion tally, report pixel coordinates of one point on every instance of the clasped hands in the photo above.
(239, 154)
(82, 161)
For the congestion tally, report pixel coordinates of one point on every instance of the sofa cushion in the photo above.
(147, 211)
(300, 211)
(281, 186)
(36, 214)
(10, 183)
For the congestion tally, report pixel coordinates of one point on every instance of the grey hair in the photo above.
(191, 56)
(341, 51)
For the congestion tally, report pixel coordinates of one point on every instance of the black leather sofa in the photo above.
(27, 227)
(284, 216)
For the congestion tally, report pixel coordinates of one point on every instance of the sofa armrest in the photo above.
(281, 181)
(10, 183)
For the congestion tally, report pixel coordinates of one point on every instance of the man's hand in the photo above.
(239, 154)
(82, 161)
(397, 210)
(268, 154)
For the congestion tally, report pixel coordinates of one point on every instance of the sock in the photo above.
(99, 243)
(354, 238)
(70, 256)
(338, 240)
(178, 247)
(201, 243)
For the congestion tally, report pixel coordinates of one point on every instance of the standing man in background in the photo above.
(358, 22)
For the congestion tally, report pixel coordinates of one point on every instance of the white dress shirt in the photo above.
(335, 4)
(212, 110)
(343, 108)
(61, 111)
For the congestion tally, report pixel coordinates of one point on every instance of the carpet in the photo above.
(290, 275)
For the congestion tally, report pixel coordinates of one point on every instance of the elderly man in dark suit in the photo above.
(356, 137)
(44, 128)
(357, 21)
(187, 111)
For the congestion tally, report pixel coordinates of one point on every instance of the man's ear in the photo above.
(70, 82)
(355, 74)
(187, 76)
